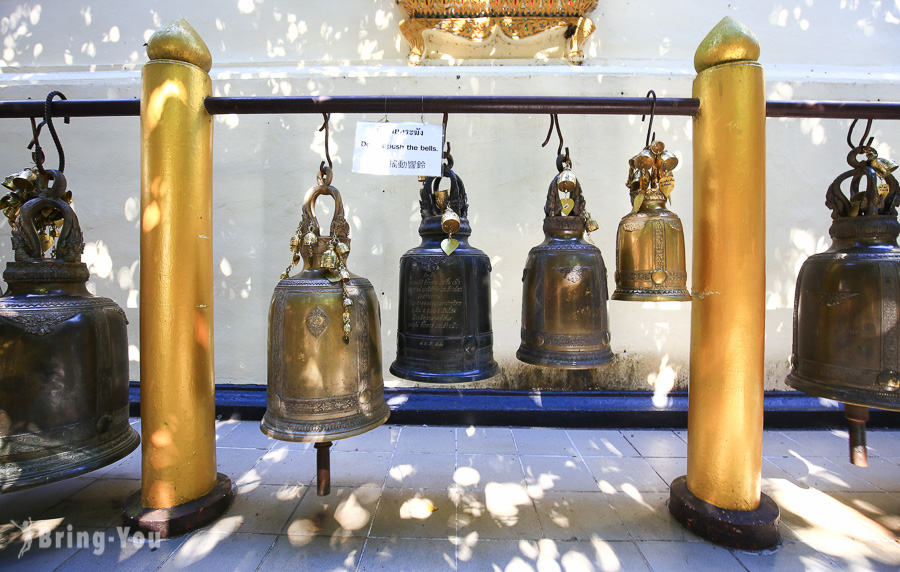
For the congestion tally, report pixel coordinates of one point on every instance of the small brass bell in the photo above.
(566, 181)
(310, 239)
(441, 198)
(846, 337)
(650, 258)
(450, 221)
(564, 295)
(324, 361)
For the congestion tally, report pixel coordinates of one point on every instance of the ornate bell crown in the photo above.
(650, 174)
(876, 199)
(487, 8)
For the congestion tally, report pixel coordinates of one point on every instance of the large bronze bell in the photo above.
(63, 351)
(444, 333)
(846, 336)
(564, 320)
(650, 265)
(324, 378)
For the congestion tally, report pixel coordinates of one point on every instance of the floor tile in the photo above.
(407, 513)
(30, 554)
(881, 472)
(485, 440)
(313, 554)
(821, 442)
(777, 444)
(500, 511)
(110, 551)
(789, 557)
(127, 468)
(625, 474)
(415, 439)
(29, 503)
(245, 436)
(380, 439)
(821, 474)
(601, 443)
(421, 470)
(579, 516)
(557, 474)
(883, 443)
(646, 517)
(543, 442)
(276, 467)
(668, 468)
(408, 555)
(476, 471)
(477, 555)
(882, 509)
(262, 509)
(659, 443)
(208, 550)
(688, 557)
(345, 512)
(226, 426)
(97, 505)
(851, 554)
(352, 469)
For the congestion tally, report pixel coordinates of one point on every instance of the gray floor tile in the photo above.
(601, 443)
(881, 472)
(646, 517)
(407, 513)
(345, 512)
(668, 468)
(476, 471)
(122, 555)
(277, 467)
(579, 516)
(688, 557)
(245, 436)
(544, 474)
(127, 468)
(29, 556)
(851, 554)
(98, 505)
(881, 509)
(883, 443)
(595, 555)
(352, 469)
(777, 444)
(408, 555)
(485, 440)
(382, 439)
(426, 440)
(821, 442)
(553, 442)
(226, 426)
(501, 511)
(660, 443)
(789, 557)
(421, 470)
(208, 550)
(29, 503)
(625, 474)
(314, 554)
(821, 474)
(262, 509)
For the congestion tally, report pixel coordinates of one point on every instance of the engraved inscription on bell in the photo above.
(435, 301)
(572, 273)
(832, 298)
(316, 321)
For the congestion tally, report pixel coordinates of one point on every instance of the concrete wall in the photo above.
(842, 50)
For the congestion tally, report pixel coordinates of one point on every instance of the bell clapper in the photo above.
(857, 416)
(323, 468)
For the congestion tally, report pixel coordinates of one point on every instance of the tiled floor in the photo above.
(468, 498)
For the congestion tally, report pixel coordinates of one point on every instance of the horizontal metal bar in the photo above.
(451, 104)
(446, 104)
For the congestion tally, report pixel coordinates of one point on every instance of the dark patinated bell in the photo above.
(444, 333)
(564, 319)
(846, 336)
(63, 351)
(650, 262)
(324, 374)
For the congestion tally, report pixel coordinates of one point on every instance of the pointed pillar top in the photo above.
(179, 41)
(729, 41)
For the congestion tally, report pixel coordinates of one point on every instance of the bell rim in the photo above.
(492, 370)
(268, 429)
(630, 296)
(528, 355)
(835, 392)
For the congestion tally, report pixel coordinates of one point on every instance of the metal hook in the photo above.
(38, 154)
(554, 120)
(325, 127)
(862, 141)
(652, 115)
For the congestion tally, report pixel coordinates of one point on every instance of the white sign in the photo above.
(397, 149)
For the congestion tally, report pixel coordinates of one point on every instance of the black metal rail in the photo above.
(446, 104)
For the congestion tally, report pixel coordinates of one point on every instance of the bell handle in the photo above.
(69, 243)
(339, 226)
(457, 196)
(553, 206)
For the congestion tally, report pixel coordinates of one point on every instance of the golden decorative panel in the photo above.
(478, 21)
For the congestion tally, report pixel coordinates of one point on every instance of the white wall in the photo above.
(840, 50)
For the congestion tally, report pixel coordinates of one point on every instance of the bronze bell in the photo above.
(324, 374)
(650, 262)
(63, 351)
(564, 320)
(444, 333)
(846, 336)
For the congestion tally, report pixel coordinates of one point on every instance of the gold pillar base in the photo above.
(743, 529)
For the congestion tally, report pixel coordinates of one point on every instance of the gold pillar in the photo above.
(725, 412)
(177, 383)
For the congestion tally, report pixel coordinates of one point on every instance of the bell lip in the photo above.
(630, 296)
(65, 464)
(492, 369)
(527, 355)
(835, 392)
(318, 437)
